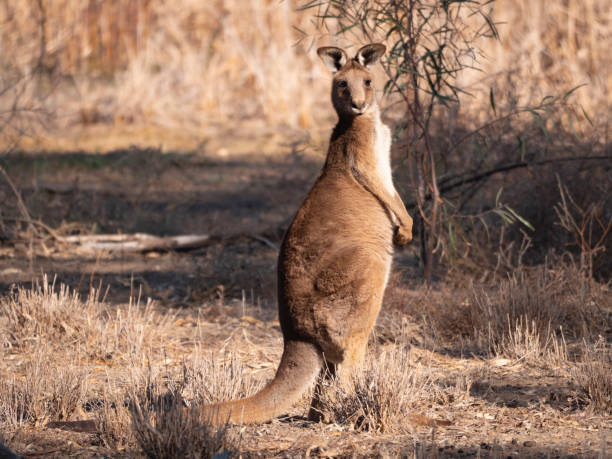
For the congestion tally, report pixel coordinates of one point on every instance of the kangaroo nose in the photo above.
(358, 106)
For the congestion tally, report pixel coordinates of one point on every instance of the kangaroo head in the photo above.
(352, 87)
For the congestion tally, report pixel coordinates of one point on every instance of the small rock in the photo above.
(529, 444)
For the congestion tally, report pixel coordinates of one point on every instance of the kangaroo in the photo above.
(335, 258)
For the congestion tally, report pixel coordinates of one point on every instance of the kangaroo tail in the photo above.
(299, 366)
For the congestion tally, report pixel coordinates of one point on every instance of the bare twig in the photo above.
(584, 224)
(20, 204)
(265, 241)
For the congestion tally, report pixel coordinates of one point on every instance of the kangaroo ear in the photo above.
(333, 58)
(369, 54)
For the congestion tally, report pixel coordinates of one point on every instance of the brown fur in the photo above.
(335, 258)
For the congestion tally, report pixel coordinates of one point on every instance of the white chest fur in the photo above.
(382, 150)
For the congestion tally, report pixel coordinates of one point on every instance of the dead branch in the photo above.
(456, 182)
(142, 242)
(138, 242)
(445, 186)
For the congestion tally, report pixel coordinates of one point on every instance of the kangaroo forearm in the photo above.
(399, 210)
(392, 204)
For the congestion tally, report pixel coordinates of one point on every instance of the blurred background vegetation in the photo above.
(188, 64)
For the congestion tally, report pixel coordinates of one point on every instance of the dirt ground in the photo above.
(244, 202)
(509, 409)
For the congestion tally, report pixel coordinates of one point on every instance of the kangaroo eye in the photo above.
(342, 84)
(368, 83)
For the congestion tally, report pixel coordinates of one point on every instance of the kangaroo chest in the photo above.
(382, 152)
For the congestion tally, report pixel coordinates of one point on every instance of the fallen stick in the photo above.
(138, 242)
(142, 242)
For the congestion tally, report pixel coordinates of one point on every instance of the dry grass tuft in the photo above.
(529, 314)
(594, 376)
(165, 428)
(45, 313)
(525, 342)
(113, 420)
(379, 398)
(217, 378)
(56, 317)
(48, 391)
(157, 410)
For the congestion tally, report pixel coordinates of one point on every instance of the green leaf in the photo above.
(484, 224)
(540, 122)
(387, 87)
(585, 115)
(522, 147)
(504, 215)
(346, 28)
(451, 236)
(546, 101)
(311, 4)
(519, 218)
(571, 91)
(298, 30)
(498, 196)
(570, 122)
(491, 24)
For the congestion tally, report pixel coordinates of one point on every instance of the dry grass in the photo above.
(546, 49)
(381, 397)
(181, 66)
(48, 390)
(59, 378)
(593, 375)
(525, 342)
(211, 378)
(189, 65)
(528, 314)
(57, 317)
(49, 314)
(112, 417)
(157, 412)
(164, 428)
(61, 339)
(142, 397)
